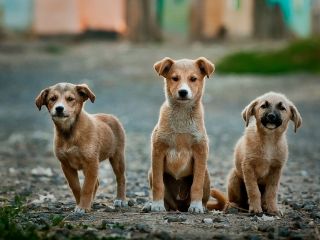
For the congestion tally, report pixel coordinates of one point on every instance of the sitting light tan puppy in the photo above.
(179, 176)
(261, 153)
(82, 140)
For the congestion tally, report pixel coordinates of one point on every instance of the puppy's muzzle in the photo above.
(59, 109)
(271, 120)
(59, 112)
(183, 93)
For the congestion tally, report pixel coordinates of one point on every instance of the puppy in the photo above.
(82, 140)
(179, 177)
(261, 153)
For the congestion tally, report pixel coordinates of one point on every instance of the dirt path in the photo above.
(122, 78)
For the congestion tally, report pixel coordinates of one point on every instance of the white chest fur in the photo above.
(179, 162)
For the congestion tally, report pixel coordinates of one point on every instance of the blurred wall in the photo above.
(18, 14)
(75, 16)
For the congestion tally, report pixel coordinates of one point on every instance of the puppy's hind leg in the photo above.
(118, 165)
(237, 195)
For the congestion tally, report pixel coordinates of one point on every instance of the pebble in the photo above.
(144, 228)
(131, 203)
(283, 232)
(97, 206)
(141, 200)
(109, 209)
(140, 194)
(163, 235)
(207, 220)
(232, 210)
(179, 218)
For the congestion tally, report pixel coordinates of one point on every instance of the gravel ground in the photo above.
(125, 84)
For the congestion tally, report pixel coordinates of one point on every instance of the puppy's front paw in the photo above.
(118, 203)
(157, 206)
(255, 209)
(271, 209)
(196, 207)
(79, 210)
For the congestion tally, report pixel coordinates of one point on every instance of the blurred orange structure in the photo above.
(75, 16)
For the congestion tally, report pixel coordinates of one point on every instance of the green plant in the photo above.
(9, 229)
(299, 56)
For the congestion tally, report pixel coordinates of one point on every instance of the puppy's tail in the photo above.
(221, 202)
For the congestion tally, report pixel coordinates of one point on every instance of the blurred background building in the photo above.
(144, 20)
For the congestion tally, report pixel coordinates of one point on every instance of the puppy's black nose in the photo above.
(59, 109)
(271, 117)
(183, 93)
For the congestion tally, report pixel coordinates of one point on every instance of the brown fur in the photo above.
(178, 176)
(82, 140)
(260, 154)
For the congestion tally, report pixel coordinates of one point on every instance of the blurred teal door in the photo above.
(297, 15)
(175, 18)
(17, 14)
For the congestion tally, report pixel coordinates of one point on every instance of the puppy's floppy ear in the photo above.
(85, 92)
(295, 117)
(163, 66)
(248, 111)
(41, 99)
(206, 67)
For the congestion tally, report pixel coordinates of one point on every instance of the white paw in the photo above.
(196, 207)
(157, 206)
(118, 203)
(79, 210)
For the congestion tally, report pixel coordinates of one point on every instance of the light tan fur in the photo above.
(179, 147)
(82, 140)
(261, 153)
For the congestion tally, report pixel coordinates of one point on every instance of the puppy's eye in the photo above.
(69, 99)
(176, 79)
(193, 79)
(282, 108)
(265, 105)
(52, 99)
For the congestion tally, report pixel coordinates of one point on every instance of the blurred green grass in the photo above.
(298, 56)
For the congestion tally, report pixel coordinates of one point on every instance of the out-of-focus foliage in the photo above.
(299, 56)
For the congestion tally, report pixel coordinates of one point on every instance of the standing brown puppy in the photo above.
(261, 153)
(179, 176)
(82, 140)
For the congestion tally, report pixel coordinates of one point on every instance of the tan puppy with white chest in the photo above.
(261, 153)
(82, 140)
(179, 176)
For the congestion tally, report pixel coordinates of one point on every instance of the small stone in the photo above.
(253, 237)
(146, 208)
(140, 194)
(144, 228)
(109, 209)
(207, 220)
(232, 210)
(309, 207)
(179, 218)
(131, 203)
(296, 206)
(141, 200)
(315, 215)
(97, 206)
(283, 232)
(299, 225)
(163, 235)
(220, 237)
(217, 219)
